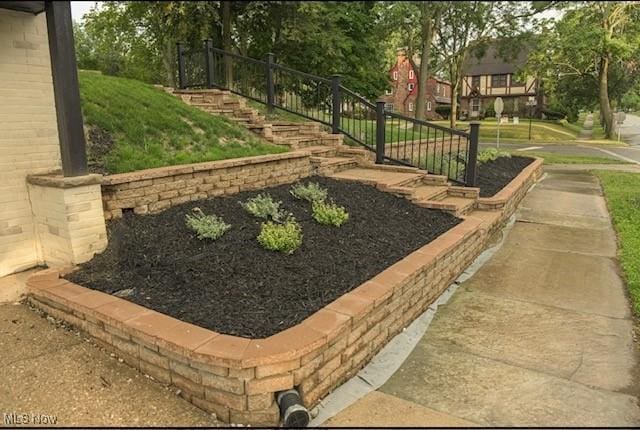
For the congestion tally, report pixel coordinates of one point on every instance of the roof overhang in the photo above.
(34, 7)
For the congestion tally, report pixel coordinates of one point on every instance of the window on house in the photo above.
(444, 91)
(410, 87)
(437, 88)
(389, 91)
(388, 107)
(475, 81)
(429, 106)
(410, 107)
(395, 75)
(411, 75)
(498, 81)
(475, 105)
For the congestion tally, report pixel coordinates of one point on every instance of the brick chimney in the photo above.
(401, 54)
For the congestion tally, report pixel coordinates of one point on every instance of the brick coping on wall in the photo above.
(161, 172)
(237, 378)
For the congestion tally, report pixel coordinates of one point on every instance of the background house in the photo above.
(492, 76)
(402, 95)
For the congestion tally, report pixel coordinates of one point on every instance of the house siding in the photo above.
(28, 137)
(404, 99)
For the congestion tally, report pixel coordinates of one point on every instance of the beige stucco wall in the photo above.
(28, 131)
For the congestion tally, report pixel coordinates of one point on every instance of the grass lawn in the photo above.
(133, 126)
(553, 158)
(622, 192)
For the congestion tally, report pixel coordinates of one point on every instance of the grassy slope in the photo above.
(622, 191)
(151, 129)
(553, 158)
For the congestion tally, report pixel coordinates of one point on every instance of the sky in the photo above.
(79, 8)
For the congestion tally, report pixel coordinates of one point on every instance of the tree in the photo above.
(590, 56)
(429, 21)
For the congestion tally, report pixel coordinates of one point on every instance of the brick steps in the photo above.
(455, 205)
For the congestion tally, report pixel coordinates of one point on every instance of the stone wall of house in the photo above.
(28, 132)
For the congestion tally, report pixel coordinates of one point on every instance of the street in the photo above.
(629, 132)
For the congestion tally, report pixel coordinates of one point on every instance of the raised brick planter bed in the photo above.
(237, 378)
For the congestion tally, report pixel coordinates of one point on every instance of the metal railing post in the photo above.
(208, 57)
(181, 75)
(380, 132)
(270, 88)
(472, 159)
(336, 106)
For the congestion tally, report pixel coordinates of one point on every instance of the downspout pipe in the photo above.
(292, 411)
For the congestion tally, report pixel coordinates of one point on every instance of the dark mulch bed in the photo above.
(495, 175)
(233, 285)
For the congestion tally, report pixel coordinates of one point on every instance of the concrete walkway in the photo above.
(52, 371)
(541, 335)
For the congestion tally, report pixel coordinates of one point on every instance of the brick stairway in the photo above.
(333, 159)
(295, 135)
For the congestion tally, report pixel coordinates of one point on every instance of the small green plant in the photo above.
(329, 213)
(285, 237)
(207, 226)
(491, 154)
(311, 192)
(264, 206)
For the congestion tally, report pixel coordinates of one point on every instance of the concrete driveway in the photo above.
(541, 335)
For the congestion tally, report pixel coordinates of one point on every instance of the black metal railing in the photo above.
(395, 138)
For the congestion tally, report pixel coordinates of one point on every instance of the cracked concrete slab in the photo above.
(566, 280)
(49, 370)
(493, 393)
(593, 350)
(562, 238)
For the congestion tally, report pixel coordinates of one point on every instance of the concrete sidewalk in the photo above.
(49, 370)
(541, 335)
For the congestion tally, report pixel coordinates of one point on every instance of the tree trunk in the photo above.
(226, 41)
(605, 105)
(168, 61)
(453, 116)
(428, 32)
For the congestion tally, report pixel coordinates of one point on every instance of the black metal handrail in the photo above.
(395, 138)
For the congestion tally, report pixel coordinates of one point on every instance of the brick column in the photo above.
(68, 218)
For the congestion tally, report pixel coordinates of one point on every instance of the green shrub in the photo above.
(285, 237)
(311, 192)
(207, 226)
(491, 154)
(263, 206)
(329, 214)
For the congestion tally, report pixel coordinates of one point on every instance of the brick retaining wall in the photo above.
(237, 378)
(153, 190)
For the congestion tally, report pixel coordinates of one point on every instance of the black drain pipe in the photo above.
(292, 411)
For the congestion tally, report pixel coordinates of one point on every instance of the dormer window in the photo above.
(437, 88)
(395, 75)
(411, 74)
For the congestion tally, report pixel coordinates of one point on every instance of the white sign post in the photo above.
(620, 117)
(498, 107)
